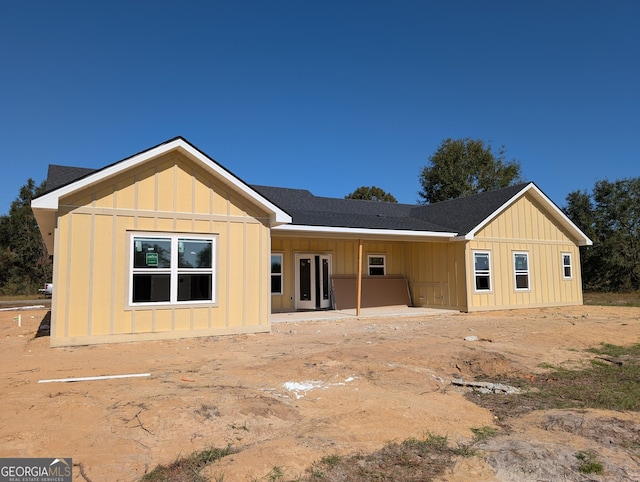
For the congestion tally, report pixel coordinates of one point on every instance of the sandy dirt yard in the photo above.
(311, 389)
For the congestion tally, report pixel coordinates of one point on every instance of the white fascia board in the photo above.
(583, 240)
(562, 217)
(50, 200)
(362, 232)
(278, 216)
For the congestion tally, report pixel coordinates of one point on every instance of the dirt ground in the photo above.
(311, 389)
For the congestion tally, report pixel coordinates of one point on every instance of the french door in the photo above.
(313, 281)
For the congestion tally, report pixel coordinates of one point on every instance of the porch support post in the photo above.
(359, 279)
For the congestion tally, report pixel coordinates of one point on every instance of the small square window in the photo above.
(377, 265)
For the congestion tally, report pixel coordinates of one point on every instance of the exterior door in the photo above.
(313, 281)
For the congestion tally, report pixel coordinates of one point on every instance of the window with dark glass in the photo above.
(521, 270)
(377, 265)
(276, 274)
(482, 271)
(567, 271)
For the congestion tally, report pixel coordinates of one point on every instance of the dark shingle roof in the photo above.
(462, 215)
(457, 215)
(309, 210)
(58, 176)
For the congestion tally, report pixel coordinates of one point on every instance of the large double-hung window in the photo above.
(172, 269)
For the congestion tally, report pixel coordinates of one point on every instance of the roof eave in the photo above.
(354, 233)
(46, 220)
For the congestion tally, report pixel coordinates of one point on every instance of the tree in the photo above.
(24, 262)
(610, 216)
(372, 193)
(461, 167)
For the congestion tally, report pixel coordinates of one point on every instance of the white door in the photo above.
(313, 281)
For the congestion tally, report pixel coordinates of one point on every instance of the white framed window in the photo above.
(172, 269)
(482, 270)
(521, 270)
(276, 273)
(377, 264)
(567, 266)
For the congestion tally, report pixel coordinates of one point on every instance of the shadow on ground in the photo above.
(44, 329)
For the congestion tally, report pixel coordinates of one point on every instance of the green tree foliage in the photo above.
(372, 193)
(461, 167)
(610, 216)
(24, 262)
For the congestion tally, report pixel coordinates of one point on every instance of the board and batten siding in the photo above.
(434, 270)
(525, 226)
(436, 274)
(170, 195)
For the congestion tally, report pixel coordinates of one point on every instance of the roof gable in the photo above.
(64, 180)
(470, 214)
(548, 204)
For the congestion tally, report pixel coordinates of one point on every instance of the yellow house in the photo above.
(168, 243)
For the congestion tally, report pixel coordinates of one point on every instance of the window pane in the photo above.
(566, 260)
(325, 279)
(373, 271)
(481, 261)
(194, 253)
(521, 262)
(276, 263)
(482, 283)
(276, 284)
(567, 271)
(151, 253)
(305, 279)
(151, 287)
(376, 261)
(522, 281)
(194, 287)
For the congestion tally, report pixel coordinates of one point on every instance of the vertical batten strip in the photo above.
(114, 252)
(193, 190)
(156, 184)
(265, 274)
(56, 270)
(136, 195)
(217, 259)
(245, 300)
(193, 199)
(67, 304)
(228, 270)
(175, 193)
(91, 263)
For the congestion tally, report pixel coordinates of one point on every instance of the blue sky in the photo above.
(326, 96)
